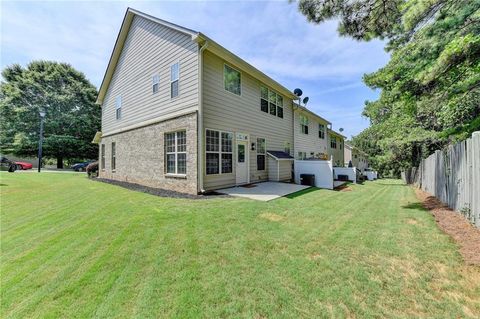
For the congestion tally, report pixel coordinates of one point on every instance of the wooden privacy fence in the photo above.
(453, 176)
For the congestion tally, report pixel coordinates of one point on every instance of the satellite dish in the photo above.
(298, 92)
(341, 129)
(305, 100)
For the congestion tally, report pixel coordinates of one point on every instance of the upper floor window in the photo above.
(333, 142)
(271, 102)
(304, 124)
(321, 131)
(264, 99)
(155, 83)
(302, 155)
(174, 78)
(340, 144)
(176, 152)
(261, 152)
(219, 152)
(118, 107)
(232, 80)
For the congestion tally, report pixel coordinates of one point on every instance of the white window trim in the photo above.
(153, 83)
(113, 156)
(178, 79)
(102, 156)
(276, 101)
(302, 124)
(323, 125)
(265, 154)
(176, 152)
(220, 152)
(241, 76)
(118, 106)
(333, 139)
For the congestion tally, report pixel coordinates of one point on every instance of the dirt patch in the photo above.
(412, 221)
(314, 256)
(272, 217)
(455, 225)
(343, 188)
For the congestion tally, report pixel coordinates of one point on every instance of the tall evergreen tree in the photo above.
(67, 97)
(430, 89)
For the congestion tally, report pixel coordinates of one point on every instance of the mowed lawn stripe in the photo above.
(103, 251)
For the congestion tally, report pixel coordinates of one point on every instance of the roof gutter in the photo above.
(225, 54)
(200, 119)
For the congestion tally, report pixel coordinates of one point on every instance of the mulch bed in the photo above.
(159, 191)
(465, 234)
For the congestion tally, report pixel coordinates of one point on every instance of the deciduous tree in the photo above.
(68, 98)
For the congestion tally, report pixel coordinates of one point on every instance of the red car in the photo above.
(23, 165)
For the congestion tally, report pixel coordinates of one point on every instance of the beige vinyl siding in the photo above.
(337, 153)
(310, 142)
(272, 169)
(226, 111)
(348, 154)
(285, 170)
(150, 49)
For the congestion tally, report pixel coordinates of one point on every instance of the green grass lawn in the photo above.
(72, 247)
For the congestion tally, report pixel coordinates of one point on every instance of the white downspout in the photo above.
(200, 120)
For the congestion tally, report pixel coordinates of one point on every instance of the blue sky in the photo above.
(272, 36)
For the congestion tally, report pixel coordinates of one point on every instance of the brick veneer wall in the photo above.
(140, 155)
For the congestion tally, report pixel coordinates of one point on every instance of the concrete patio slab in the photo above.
(265, 191)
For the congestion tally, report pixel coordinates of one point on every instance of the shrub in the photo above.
(92, 169)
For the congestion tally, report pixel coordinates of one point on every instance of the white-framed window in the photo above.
(102, 157)
(303, 124)
(114, 157)
(174, 80)
(321, 131)
(232, 80)
(155, 83)
(261, 154)
(333, 142)
(340, 144)
(271, 102)
(218, 152)
(176, 153)
(118, 107)
(302, 155)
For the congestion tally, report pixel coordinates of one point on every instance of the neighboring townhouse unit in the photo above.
(181, 112)
(358, 158)
(336, 141)
(310, 135)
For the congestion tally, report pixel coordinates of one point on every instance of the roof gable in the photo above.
(120, 41)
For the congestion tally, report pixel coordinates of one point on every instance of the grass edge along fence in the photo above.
(453, 176)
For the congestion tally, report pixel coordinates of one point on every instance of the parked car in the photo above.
(23, 165)
(80, 167)
(7, 165)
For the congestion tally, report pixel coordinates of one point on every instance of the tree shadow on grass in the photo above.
(1, 184)
(414, 206)
(302, 192)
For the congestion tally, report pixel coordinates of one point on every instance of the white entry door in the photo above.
(242, 162)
